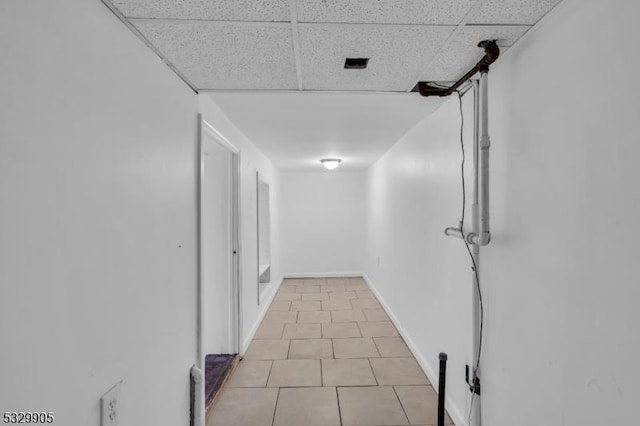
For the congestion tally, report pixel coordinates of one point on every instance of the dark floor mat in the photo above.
(215, 371)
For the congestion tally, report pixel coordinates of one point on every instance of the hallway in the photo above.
(326, 354)
(107, 110)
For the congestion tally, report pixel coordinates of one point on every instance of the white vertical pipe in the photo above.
(485, 144)
(483, 236)
(199, 242)
(197, 379)
(476, 165)
(476, 151)
(197, 371)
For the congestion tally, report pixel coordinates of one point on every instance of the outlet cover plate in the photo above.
(110, 406)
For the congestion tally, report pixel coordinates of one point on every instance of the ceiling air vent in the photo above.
(355, 63)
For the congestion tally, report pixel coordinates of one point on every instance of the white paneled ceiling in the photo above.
(511, 12)
(302, 44)
(224, 55)
(210, 10)
(431, 12)
(396, 52)
(259, 57)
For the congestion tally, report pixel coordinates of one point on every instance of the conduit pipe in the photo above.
(454, 232)
(482, 235)
(491, 53)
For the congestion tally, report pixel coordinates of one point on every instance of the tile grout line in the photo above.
(288, 349)
(269, 375)
(339, 409)
(376, 346)
(402, 406)
(282, 332)
(275, 408)
(373, 372)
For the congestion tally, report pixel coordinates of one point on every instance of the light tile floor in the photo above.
(326, 354)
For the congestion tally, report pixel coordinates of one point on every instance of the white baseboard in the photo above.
(454, 412)
(270, 294)
(321, 274)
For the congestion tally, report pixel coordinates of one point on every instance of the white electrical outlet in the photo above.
(110, 406)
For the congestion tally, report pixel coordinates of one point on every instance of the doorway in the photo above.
(219, 307)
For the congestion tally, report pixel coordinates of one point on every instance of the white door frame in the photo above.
(207, 130)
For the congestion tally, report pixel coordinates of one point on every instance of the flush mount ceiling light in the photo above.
(330, 163)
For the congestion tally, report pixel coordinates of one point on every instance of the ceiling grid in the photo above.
(277, 67)
(301, 45)
(446, 44)
(293, 8)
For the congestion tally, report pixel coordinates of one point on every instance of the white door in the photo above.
(218, 245)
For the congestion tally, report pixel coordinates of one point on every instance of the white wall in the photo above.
(98, 220)
(559, 278)
(413, 193)
(251, 160)
(322, 217)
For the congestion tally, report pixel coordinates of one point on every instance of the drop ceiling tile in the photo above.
(463, 51)
(397, 54)
(435, 12)
(511, 12)
(226, 55)
(220, 10)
